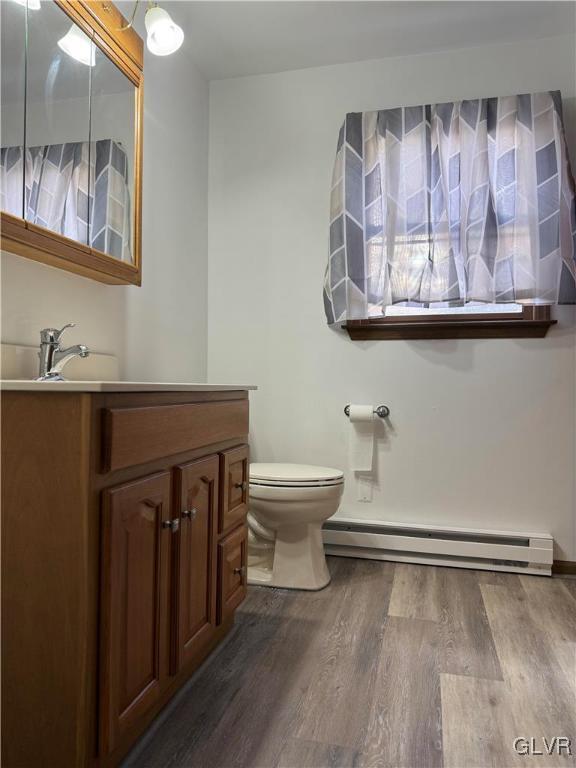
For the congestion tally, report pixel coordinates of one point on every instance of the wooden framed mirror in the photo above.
(71, 135)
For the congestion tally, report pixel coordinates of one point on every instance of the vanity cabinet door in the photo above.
(234, 476)
(232, 572)
(135, 652)
(195, 557)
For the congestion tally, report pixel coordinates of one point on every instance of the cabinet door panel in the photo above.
(135, 598)
(232, 566)
(197, 497)
(234, 473)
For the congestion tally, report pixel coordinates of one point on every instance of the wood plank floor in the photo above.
(392, 665)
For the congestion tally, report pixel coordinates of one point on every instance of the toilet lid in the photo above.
(294, 474)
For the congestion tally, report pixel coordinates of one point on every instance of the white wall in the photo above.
(158, 331)
(166, 318)
(482, 431)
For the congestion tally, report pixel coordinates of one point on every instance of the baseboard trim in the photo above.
(564, 567)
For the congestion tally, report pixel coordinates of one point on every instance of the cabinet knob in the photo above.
(190, 514)
(173, 525)
(243, 485)
(240, 571)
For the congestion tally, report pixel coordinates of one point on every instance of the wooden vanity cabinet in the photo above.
(118, 578)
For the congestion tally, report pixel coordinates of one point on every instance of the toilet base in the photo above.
(299, 560)
(259, 576)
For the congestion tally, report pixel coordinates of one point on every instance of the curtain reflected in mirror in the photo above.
(58, 177)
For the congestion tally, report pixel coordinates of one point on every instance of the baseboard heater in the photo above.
(436, 545)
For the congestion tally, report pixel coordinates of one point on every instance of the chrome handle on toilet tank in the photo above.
(382, 411)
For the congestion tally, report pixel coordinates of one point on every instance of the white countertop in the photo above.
(25, 385)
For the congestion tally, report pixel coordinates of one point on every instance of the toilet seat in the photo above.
(294, 476)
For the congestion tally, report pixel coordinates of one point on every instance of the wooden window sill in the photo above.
(534, 322)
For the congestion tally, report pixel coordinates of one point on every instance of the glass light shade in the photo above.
(164, 36)
(78, 46)
(33, 5)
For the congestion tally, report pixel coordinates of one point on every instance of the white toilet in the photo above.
(288, 505)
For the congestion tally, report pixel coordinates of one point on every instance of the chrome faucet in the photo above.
(52, 357)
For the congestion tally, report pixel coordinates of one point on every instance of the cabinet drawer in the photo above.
(232, 567)
(138, 435)
(233, 488)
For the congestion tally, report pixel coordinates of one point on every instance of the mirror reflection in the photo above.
(57, 139)
(12, 76)
(67, 130)
(112, 132)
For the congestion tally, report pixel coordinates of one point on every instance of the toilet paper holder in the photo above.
(382, 410)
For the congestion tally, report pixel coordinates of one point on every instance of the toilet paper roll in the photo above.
(361, 439)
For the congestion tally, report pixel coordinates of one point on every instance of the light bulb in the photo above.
(78, 46)
(164, 36)
(33, 5)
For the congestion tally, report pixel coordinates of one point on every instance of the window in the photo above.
(455, 219)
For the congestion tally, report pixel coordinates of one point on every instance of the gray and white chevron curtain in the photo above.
(62, 181)
(447, 204)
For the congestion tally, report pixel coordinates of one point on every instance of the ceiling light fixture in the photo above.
(164, 36)
(77, 45)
